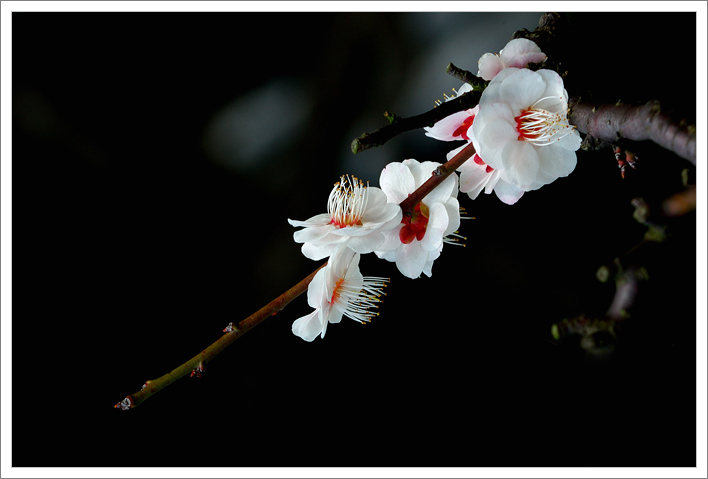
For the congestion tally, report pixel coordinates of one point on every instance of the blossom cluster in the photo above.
(522, 141)
(519, 129)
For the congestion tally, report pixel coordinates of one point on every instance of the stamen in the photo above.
(542, 127)
(455, 239)
(347, 202)
(355, 297)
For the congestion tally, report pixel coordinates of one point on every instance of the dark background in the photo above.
(156, 159)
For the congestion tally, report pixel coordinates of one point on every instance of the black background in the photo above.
(133, 249)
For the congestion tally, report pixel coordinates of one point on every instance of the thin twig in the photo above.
(232, 333)
(196, 365)
(401, 125)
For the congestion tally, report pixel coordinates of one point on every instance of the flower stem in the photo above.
(439, 175)
(233, 332)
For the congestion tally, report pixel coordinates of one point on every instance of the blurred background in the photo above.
(156, 160)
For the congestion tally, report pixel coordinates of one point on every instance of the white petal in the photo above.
(316, 289)
(411, 259)
(489, 65)
(365, 244)
(557, 161)
(570, 142)
(391, 242)
(493, 138)
(522, 89)
(518, 46)
(312, 233)
(452, 207)
(472, 177)
(378, 209)
(438, 222)
(317, 220)
(507, 192)
(443, 191)
(318, 251)
(521, 163)
(396, 182)
(443, 130)
(308, 327)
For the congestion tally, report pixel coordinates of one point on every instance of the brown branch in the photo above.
(612, 123)
(400, 125)
(196, 365)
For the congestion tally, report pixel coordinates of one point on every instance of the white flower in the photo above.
(517, 54)
(339, 290)
(455, 126)
(522, 128)
(475, 175)
(418, 240)
(356, 216)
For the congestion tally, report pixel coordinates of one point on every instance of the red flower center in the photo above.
(414, 226)
(462, 129)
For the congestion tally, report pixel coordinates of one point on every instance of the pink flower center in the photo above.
(414, 226)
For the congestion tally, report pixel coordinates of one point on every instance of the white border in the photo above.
(6, 217)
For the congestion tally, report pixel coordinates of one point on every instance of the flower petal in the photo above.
(396, 182)
(309, 326)
(520, 162)
(317, 220)
(437, 224)
(473, 178)
(489, 65)
(317, 251)
(411, 259)
(312, 233)
(444, 129)
(518, 46)
(365, 244)
(443, 191)
(507, 192)
(522, 89)
(493, 136)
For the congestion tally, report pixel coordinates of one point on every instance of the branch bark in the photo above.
(401, 125)
(612, 123)
(197, 363)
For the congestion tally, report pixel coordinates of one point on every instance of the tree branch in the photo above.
(439, 175)
(401, 125)
(611, 123)
(197, 364)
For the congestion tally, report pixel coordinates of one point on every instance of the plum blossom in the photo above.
(417, 240)
(337, 290)
(356, 216)
(455, 126)
(517, 54)
(475, 175)
(522, 128)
